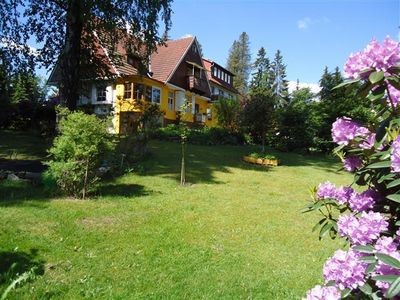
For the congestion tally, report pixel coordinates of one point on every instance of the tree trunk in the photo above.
(183, 166)
(70, 55)
(263, 144)
(84, 191)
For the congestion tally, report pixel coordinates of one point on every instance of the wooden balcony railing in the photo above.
(198, 85)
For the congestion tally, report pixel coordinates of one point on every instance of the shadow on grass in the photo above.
(203, 161)
(19, 192)
(122, 190)
(15, 263)
(23, 145)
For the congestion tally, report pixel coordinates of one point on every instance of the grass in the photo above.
(18, 145)
(236, 232)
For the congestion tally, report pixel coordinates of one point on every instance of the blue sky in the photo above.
(311, 34)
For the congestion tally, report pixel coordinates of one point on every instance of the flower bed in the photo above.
(262, 159)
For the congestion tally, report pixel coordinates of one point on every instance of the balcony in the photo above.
(200, 118)
(198, 85)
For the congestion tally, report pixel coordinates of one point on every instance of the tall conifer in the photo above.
(239, 62)
(280, 85)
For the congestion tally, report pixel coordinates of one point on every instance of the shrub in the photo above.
(366, 218)
(78, 152)
(228, 114)
(262, 155)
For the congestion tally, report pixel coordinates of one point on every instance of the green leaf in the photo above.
(386, 278)
(388, 260)
(347, 82)
(376, 95)
(322, 221)
(364, 249)
(331, 283)
(366, 289)
(370, 268)
(393, 183)
(325, 229)
(345, 293)
(379, 165)
(394, 197)
(375, 77)
(394, 83)
(368, 259)
(394, 289)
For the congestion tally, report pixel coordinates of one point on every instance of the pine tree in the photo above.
(260, 82)
(280, 85)
(239, 62)
(19, 90)
(4, 77)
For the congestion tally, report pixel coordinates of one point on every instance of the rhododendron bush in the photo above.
(366, 212)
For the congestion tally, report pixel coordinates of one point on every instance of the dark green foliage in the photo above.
(27, 87)
(278, 79)
(239, 62)
(78, 152)
(261, 81)
(296, 123)
(228, 111)
(258, 117)
(336, 103)
(262, 155)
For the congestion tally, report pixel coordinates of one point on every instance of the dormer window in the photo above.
(133, 60)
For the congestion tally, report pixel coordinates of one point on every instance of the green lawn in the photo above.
(235, 233)
(22, 145)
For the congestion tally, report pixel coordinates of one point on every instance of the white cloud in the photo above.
(187, 35)
(306, 22)
(314, 87)
(303, 23)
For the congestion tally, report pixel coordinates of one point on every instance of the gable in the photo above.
(191, 59)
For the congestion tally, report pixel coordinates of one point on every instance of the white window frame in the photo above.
(101, 92)
(171, 101)
(153, 88)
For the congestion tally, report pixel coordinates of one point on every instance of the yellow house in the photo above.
(176, 79)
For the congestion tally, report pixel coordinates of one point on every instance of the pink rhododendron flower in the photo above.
(345, 269)
(345, 129)
(395, 155)
(379, 57)
(364, 229)
(386, 245)
(359, 202)
(343, 194)
(394, 95)
(352, 163)
(369, 142)
(323, 293)
(326, 190)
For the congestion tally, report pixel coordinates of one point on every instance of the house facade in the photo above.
(177, 79)
(221, 81)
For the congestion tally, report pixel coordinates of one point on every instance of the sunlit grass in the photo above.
(235, 232)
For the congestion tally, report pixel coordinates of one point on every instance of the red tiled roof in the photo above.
(167, 57)
(207, 64)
